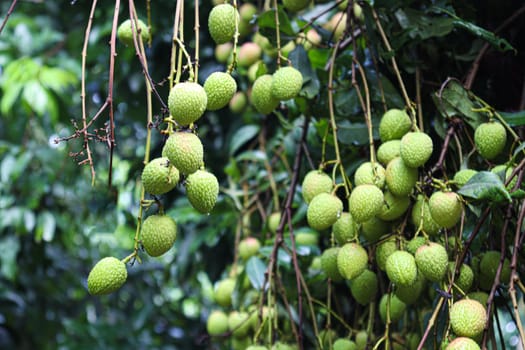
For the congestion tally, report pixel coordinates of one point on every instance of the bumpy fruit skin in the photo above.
(462, 343)
(388, 151)
(432, 261)
(490, 139)
(416, 148)
(323, 211)
(108, 275)
(352, 260)
(365, 202)
(202, 189)
(223, 292)
(314, 183)
(217, 323)
(286, 83)
(383, 251)
(396, 310)
(238, 323)
(467, 318)
(261, 97)
(364, 287)
(296, 5)
(393, 206)
(400, 179)
(187, 102)
(248, 247)
(329, 264)
(446, 208)
(410, 294)
(185, 152)
(462, 176)
(421, 217)
(344, 344)
(221, 23)
(394, 124)
(125, 32)
(344, 229)
(401, 268)
(220, 88)
(368, 174)
(159, 176)
(158, 234)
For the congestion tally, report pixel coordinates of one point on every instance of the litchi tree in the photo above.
(302, 174)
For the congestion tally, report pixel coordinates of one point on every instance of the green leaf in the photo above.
(455, 102)
(349, 133)
(266, 23)
(9, 246)
(243, 135)
(490, 37)
(36, 97)
(300, 60)
(11, 95)
(486, 185)
(419, 25)
(518, 194)
(45, 229)
(56, 79)
(515, 118)
(255, 269)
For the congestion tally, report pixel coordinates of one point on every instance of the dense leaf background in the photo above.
(54, 225)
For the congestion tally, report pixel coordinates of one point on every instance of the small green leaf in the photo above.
(9, 246)
(266, 23)
(490, 37)
(486, 185)
(255, 269)
(300, 61)
(518, 194)
(241, 136)
(45, 229)
(350, 133)
(455, 102)
(36, 97)
(514, 119)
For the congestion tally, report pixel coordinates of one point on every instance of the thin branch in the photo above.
(9, 12)
(469, 80)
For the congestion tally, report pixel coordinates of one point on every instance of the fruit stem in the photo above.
(176, 59)
(146, 151)
(196, 30)
(394, 66)
(232, 66)
(182, 47)
(277, 33)
(333, 124)
(368, 117)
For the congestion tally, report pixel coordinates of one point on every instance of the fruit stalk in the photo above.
(394, 65)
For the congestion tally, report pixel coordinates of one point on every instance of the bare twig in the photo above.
(469, 80)
(9, 12)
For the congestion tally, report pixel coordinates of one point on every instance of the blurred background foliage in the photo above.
(54, 225)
